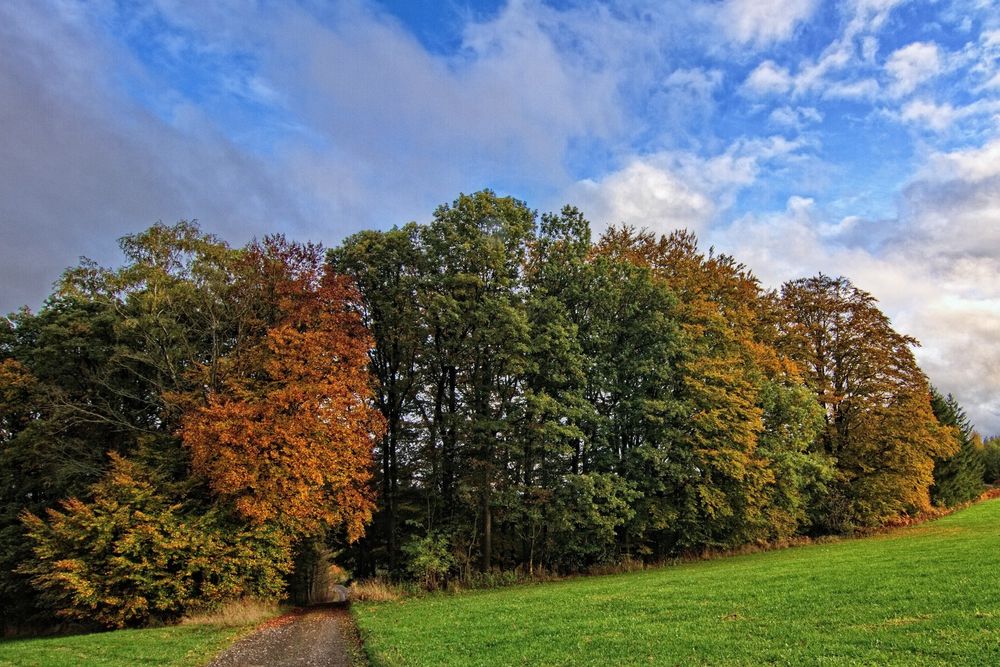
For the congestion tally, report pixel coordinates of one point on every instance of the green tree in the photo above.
(387, 268)
(473, 300)
(63, 407)
(959, 478)
(991, 460)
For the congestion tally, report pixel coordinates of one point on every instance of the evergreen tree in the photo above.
(959, 478)
(991, 460)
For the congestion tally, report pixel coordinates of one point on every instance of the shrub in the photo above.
(429, 559)
(130, 556)
(493, 579)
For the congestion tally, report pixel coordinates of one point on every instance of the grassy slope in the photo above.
(923, 595)
(177, 645)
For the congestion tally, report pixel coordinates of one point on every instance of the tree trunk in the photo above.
(392, 487)
(487, 553)
(450, 443)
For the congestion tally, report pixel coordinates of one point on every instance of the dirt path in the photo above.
(320, 636)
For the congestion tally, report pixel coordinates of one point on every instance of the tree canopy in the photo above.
(491, 390)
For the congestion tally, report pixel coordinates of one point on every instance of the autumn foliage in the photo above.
(289, 438)
(131, 555)
(491, 389)
(879, 424)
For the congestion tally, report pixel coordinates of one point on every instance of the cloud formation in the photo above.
(855, 137)
(767, 78)
(83, 165)
(935, 273)
(912, 65)
(644, 195)
(761, 23)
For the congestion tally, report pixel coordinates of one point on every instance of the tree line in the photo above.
(491, 391)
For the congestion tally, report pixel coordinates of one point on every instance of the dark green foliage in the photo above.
(531, 377)
(550, 403)
(584, 518)
(792, 418)
(991, 460)
(958, 478)
(62, 409)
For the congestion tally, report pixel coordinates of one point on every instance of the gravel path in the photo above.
(320, 636)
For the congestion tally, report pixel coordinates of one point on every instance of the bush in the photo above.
(584, 516)
(429, 559)
(493, 579)
(129, 556)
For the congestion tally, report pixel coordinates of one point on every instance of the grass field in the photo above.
(186, 645)
(927, 595)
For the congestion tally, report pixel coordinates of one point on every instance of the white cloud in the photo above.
(670, 190)
(851, 90)
(992, 84)
(869, 15)
(912, 65)
(869, 48)
(986, 60)
(972, 165)
(762, 23)
(768, 78)
(697, 79)
(644, 195)
(935, 277)
(940, 117)
(784, 116)
(834, 73)
(795, 117)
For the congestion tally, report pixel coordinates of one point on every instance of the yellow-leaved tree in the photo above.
(879, 425)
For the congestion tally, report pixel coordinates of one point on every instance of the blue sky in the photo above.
(856, 137)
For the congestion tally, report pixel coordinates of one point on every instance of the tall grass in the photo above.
(235, 613)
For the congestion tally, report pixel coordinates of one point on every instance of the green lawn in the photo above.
(927, 595)
(177, 645)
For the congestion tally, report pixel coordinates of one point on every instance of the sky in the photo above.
(857, 138)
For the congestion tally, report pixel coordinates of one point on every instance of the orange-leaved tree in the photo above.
(288, 439)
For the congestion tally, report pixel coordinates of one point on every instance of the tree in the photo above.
(289, 440)
(959, 478)
(476, 351)
(728, 378)
(991, 460)
(879, 426)
(387, 268)
(63, 407)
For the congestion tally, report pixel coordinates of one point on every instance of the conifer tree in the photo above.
(959, 478)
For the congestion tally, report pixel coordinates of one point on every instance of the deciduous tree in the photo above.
(289, 439)
(879, 428)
